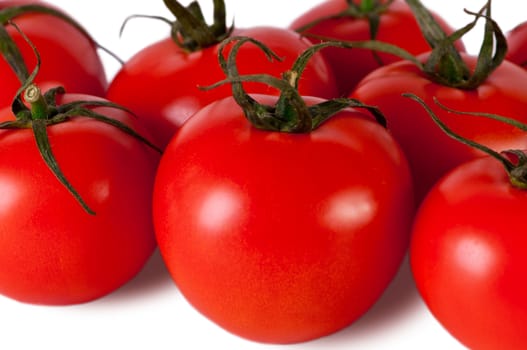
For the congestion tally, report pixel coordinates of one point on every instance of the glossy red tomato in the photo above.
(169, 77)
(431, 152)
(517, 41)
(397, 25)
(51, 250)
(69, 57)
(468, 256)
(279, 237)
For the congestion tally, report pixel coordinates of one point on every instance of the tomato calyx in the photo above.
(445, 64)
(290, 113)
(44, 112)
(513, 161)
(190, 30)
(371, 10)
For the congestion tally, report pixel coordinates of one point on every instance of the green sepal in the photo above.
(445, 64)
(12, 55)
(39, 127)
(290, 113)
(189, 30)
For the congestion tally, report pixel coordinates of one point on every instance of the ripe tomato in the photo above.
(51, 250)
(279, 237)
(516, 40)
(468, 256)
(432, 153)
(69, 57)
(170, 92)
(397, 25)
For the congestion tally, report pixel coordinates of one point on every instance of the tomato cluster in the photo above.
(298, 167)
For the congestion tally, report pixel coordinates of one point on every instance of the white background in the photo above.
(149, 312)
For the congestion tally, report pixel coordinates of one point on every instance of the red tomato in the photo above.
(51, 250)
(69, 58)
(468, 256)
(431, 152)
(397, 25)
(279, 237)
(169, 89)
(516, 40)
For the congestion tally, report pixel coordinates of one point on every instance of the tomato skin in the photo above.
(467, 256)
(282, 238)
(516, 40)
(51, 251)
(69, 58)
(430, 151)
(170, 92)
(397, 26)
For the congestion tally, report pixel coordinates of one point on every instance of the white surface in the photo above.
(149, 312)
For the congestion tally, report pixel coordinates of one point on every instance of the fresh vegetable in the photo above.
(356, 20)
(171, 71)
(467, 252)
(76, 180)
(282, 219)
(484, 83)
(69, 54)
(51, 250)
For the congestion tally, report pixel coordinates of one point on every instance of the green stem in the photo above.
(367, 5)
(492, 52)
(190, 30)
(39, 106)
(43, 112)
(190, 25)
(372, 10)
(432, 31)
(445, 61)
(290, 113)
(12, 55)
(445, 64)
